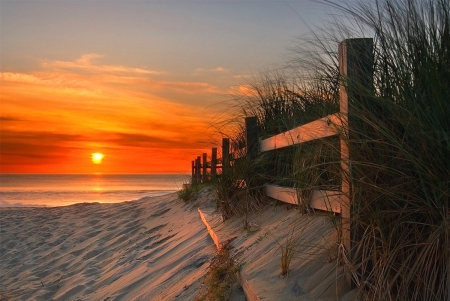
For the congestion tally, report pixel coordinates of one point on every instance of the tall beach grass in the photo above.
(400, 145)
(399, 141)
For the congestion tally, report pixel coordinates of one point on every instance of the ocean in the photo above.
(66, 189)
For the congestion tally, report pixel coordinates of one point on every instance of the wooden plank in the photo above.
(248, 290)
(327, 200)
(210, 231)
(204, 174)
(225, 155)
(355, 67)
(321, 128)
(213, 163)
(193, 172)
(284, 194)
(345, 162)
(250, 294)
(197, 170)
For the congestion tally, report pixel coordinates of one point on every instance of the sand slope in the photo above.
(150, 249)
(313, 272)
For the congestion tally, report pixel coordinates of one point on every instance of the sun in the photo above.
(97, 158)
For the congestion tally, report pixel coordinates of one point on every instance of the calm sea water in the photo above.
(61, 190)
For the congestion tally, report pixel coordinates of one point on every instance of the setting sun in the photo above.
(97, 158)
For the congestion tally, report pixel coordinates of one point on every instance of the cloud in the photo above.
(241, 76)
(217, 69)
(86, 63)
(242, 90)
(35, 144)
(9, 118)
(147, 141)
(51, 81)
(184, 87)
(105, 78)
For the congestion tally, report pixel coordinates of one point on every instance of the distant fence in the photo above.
(355, 66)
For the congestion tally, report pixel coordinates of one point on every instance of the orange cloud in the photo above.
(242, 90)
(217, 69)
(85, 62)
(53, 119)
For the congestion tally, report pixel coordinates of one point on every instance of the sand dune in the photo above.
(150, 249)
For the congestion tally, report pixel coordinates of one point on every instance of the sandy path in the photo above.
(150, 249)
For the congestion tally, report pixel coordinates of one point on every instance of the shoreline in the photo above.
(7, 204)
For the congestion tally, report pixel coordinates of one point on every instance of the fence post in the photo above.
(251, 137)
(204, 168)
(356, 70)
(225, 155)
(197, 170)
(193, 172)
(213, 163)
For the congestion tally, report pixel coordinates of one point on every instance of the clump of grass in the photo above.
(221, 277)
(188, 192)
(237, 190)
(288, 249)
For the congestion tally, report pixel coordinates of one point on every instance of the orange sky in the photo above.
(142, 82)
(52, 120)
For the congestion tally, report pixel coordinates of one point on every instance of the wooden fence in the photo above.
(355, 66)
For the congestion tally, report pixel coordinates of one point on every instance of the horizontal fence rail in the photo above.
(327, 200)
(318, 129)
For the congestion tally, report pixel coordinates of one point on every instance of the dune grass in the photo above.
(189, 191)
(399, 142)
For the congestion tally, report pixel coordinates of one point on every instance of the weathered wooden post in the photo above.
(251, 137)
(356, 69)
(204, 166)
(213, 163)
(225, 155)
(193, 172)
(197, 170)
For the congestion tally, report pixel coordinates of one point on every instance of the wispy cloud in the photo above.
(9, 119)
(239, 76)
(71, 83)
(216, 69)
(185, 87)
(219, 69)
(97, 78)
(244, 90)
(87, 63)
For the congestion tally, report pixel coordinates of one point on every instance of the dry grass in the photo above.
(221, 277)
(288, 249)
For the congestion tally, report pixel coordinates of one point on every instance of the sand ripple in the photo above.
(150, 249)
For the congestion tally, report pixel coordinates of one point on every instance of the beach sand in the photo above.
(159, 249)
(149, 249)
(313, 274)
